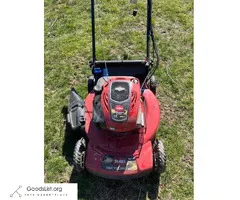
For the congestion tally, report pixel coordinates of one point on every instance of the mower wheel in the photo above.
(159, 156)
(91, 82)
(79, 155)
(153, 84)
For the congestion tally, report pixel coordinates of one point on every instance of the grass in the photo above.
(67, 52)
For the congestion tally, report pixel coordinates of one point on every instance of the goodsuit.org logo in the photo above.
(16, 192)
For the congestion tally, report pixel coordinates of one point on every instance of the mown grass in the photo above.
(67, 52)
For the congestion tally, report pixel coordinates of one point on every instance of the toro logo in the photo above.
(119, 161)
(119, 108)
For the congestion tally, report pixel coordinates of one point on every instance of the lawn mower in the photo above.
(119, 118)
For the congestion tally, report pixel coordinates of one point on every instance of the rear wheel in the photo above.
(91, 82)
(79, 154)
(159, 156)
(153, 84)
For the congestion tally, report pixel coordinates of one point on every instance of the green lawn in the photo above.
(67, 52)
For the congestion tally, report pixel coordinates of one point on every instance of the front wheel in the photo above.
(79, 154)
(159, 156)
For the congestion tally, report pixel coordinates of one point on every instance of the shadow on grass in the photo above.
(91, 187)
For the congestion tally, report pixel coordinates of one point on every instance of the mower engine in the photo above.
(120, 103)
